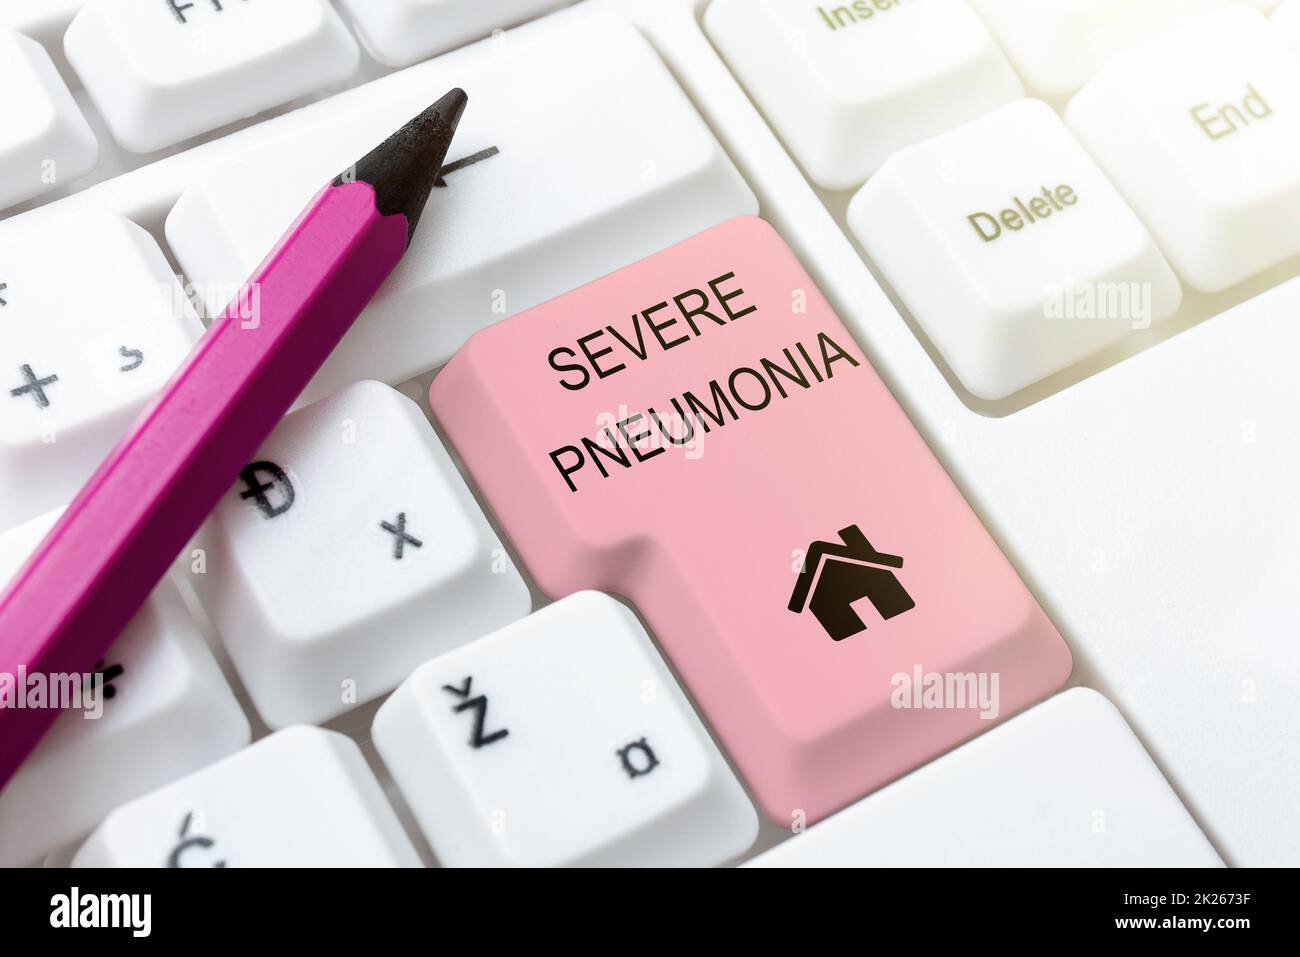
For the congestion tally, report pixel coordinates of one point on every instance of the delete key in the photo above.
(700, 434)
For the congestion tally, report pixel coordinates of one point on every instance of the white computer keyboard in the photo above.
(1133, 457)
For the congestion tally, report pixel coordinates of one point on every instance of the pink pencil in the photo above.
(115, 542)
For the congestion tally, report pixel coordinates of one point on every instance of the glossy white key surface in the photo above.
(627, 183)
(1064, 785)
(561, 740)
(400, 32)
(163, 710)
(92, 323)
(36, 17)
(43, 20)
(1058, 44)
(1200, 130)
(1287, 20)
(301, 798)
(45, 141)
(845, 85)
(349, 552)
(164, 71)
(1011, 249)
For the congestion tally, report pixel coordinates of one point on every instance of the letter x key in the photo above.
(400, 536)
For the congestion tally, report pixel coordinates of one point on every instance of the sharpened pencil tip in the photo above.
(404, 168)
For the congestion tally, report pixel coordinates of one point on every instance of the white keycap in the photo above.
(1011, 249)
(1200, 130)
(44, 140)
(402, 32)
(42, 20)
(164, 71)
(348, 553)
(528, 220)
(848, 84)
(301, 798)
(92, 323)
(561, 740)
(164, 710)
(1287, 20)
(1063, 785)
(1058, 44)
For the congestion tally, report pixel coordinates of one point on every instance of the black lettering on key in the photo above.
(400, 536)
(178, 8)
(479, 705)
(3, 287)
(188, 844)
(35, 387)
(465, 163)
(135, 356)
(638, 758)
(109, 674)
(262, 491)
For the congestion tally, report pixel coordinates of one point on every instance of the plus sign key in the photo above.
(34, 386)
(700, 433)
(156, 708)
(348, 553)
(92, 323)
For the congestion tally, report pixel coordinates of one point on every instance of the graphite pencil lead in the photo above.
(404, 168)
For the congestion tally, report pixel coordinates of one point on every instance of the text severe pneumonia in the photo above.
(748, 389)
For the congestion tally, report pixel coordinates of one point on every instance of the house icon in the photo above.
(849, 572)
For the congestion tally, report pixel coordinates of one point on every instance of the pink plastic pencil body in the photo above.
(117, 539)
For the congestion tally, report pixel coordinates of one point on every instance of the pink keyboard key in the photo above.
(699, 433)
